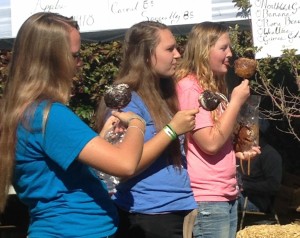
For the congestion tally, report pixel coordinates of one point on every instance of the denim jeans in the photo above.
(250, 206)
(216, 220)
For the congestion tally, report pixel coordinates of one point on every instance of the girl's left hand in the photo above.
(250, 154)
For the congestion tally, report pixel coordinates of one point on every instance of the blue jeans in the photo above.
(250, 206)
(216, 220)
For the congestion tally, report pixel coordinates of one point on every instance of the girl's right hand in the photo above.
(118, 122)
(241, 92)
(184, 121)
(126, 117)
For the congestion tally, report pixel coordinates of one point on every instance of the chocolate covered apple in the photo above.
(117, 96)
(210, 100)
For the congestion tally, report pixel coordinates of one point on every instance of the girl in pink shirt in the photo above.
(210, 154)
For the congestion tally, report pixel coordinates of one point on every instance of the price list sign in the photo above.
(276, 26)
(95, 15)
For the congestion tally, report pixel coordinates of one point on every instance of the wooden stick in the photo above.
(248, 173)
(242, 166)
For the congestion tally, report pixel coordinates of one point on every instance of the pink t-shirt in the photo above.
(213, 177)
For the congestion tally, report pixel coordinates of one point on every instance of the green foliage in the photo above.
(4, 59)
(281, 72)
(100, 65)
(243, 6)
(181, 41)
(242, 42)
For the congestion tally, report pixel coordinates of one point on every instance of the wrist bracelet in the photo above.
(171, 128)
(137, 128)
(169, 132)
(138, 118)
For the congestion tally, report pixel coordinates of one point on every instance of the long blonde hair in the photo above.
(41, 68)
(195, 59)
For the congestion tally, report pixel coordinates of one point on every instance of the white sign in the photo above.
(276, 26)
(99, 15)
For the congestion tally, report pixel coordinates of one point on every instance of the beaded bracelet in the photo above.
(171, 133)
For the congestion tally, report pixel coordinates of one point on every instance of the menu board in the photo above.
(276, 26)
(99, 15)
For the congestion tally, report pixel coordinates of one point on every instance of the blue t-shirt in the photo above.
(64, 196)
(161, 188)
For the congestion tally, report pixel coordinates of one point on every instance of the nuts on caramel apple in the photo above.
(245, 136)
(245, 67)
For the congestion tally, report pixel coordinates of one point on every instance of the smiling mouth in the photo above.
(227, 64)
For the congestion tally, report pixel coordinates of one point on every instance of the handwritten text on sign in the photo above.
(95, 15)
(276, 26)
